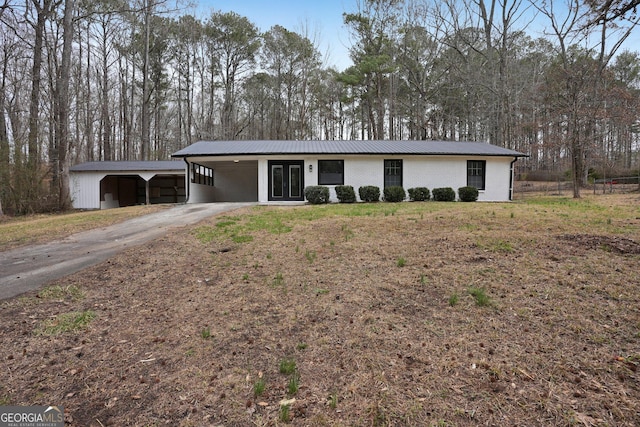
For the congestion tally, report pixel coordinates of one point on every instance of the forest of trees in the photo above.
(88, 80)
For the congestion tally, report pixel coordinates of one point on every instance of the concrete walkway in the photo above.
(30, 267)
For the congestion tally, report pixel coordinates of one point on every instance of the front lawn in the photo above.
(419, 314)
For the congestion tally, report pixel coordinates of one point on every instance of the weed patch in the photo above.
(57, 292)
(259, 386)
(285, 413)
(310, 256)
(480, 295)
(278, 280)
(66, 322)
(287, 366)
(453, 300)
(294, 384)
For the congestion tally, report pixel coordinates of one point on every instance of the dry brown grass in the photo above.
(187, 325)
(33, 229)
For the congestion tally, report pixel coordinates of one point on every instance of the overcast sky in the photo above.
(324, 22)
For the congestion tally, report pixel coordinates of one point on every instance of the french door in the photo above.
(286, 180)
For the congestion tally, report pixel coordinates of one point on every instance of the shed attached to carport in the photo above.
(104, 185)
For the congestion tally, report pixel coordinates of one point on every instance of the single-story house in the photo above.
(276, 171)
(104, 185)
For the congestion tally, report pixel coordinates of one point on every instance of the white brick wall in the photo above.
(418, 171)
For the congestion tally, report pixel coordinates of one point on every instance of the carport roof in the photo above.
(248, 148)
(129, 166)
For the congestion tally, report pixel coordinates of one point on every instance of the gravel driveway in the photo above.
(30, 267)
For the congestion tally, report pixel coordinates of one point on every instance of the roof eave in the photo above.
(346, 154)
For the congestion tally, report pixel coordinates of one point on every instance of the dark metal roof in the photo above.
(129, 166)
(247, 148)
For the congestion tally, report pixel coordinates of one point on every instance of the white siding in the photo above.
(85, 189)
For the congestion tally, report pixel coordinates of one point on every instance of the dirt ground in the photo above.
(416, 314)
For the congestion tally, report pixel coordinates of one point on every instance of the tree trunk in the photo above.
(4, 138)
(104, 110)
(62, 110)
(34, 105)
(146, 92)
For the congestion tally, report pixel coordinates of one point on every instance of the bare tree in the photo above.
(288, 57)
(60, 163)
(237, 42)
(581, 75)
(611, 10)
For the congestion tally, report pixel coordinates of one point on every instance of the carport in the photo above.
(104, 185)
(222, 180)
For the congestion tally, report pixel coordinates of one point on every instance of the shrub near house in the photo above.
(419, 194)
(317, 194)
(446, 194)
(369, 193)
(345, 193)
(468, 194)
(394, 193)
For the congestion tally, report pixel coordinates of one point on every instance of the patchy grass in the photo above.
(287, 366)
(362, 342)
(57, 292)
(480, 295)
(28, 230)
(66, 322)
(259, 386)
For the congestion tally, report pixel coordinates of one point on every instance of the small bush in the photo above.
(345, 193)
(446, 194)
(419, 194)
(394, 193)
(369, 193)
(468, 194)
(317, 194)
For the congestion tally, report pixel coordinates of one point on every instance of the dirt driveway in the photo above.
(28, 268)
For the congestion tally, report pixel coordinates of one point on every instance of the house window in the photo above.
(476, 173)
(201, 174)
(330, 172)
(392, 173)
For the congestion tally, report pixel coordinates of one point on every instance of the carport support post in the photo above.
(147, 176)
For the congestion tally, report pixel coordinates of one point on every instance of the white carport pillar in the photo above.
(147, 177)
